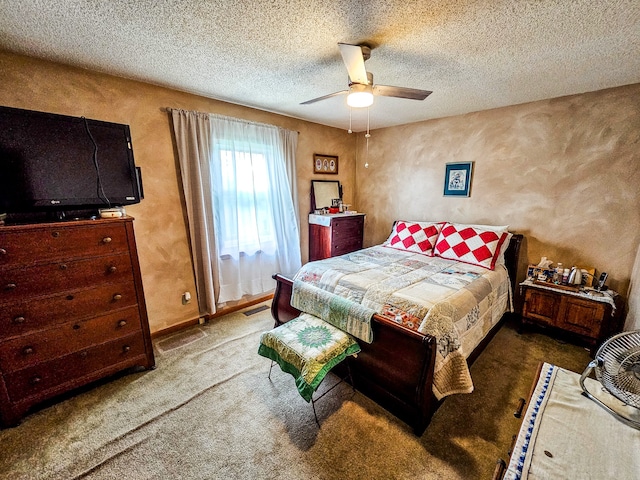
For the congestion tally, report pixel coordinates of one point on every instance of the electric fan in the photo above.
(617, 367)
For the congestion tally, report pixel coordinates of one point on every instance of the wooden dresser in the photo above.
(334, 234)
(72, 309)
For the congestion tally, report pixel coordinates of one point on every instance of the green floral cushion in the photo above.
(307, 348)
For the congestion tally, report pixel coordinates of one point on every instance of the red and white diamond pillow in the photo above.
(418, 237)
(470, 244)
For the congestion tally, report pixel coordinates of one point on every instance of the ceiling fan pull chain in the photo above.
(366, 154)
(367, 135)
(350, 131)
(368, 121)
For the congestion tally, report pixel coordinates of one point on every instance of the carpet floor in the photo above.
(208, 411)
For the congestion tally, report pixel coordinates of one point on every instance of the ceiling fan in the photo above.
(361, 87)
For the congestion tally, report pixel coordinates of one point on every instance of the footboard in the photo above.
(396, 371)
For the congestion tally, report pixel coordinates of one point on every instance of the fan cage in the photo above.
(618, 367)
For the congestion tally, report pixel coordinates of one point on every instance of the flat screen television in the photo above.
(56, 163)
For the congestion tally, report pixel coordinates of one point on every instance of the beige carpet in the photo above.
(209, 412)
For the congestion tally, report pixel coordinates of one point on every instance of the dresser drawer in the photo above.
(23, 246)
(70, 369)
(345, 228)
(20, 318)
(45, 345)
(346, 245)
(22, 284)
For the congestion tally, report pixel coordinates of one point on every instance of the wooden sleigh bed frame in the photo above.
(404, 387)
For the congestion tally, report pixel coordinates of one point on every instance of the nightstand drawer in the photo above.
(541, 305)
(580, 316)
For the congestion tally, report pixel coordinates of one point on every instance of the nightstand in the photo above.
(589, 318)
(335, 234)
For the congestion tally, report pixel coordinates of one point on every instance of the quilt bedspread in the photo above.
(455, 302)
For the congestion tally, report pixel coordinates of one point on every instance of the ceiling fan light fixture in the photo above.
(360, 95)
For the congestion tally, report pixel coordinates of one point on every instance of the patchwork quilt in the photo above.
(455, 302)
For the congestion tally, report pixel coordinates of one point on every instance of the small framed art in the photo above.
(457, 179)
(325, 163)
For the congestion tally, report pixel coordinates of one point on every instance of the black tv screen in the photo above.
(58, 162)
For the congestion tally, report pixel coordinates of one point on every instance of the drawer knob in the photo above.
(63, 267)
(76, 326)
(122, 323)
(112, 269)
(36, 380)
(3, 251)
(70, 297)
(83, 354)
(10, 286)
(19, 320)
(117, 297)
(126, 348)
(55, 234)
(27, 350)
(106, 240)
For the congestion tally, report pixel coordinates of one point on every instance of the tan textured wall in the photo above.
(160, 224)
(633, 317)
(564, 172)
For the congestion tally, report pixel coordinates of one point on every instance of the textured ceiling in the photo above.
(272, 55)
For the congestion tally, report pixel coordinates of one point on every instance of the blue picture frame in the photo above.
(457, 179)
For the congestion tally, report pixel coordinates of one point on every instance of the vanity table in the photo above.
(336, 234)
(332, 234)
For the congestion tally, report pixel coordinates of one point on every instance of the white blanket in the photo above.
(565, 435)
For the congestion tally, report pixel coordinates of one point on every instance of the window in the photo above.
(243, 207)
(239, 183)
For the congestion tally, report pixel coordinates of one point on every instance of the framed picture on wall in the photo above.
(457, 179)
(325, 163)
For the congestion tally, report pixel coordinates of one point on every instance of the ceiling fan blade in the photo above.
(314, 100)
(401, 92)
(354, 61)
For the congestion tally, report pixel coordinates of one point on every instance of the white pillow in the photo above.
(469, 244)
(494, 228)
(417, 237)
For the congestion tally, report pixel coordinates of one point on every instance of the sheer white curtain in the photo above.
(246, 198)
(255, 217)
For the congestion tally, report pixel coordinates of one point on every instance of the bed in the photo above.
(412, 365)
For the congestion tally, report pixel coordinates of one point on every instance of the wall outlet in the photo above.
(186, 298)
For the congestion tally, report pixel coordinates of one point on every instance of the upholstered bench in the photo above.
(307, 348)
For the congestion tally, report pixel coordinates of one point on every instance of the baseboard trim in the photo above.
(240, 306)
(175, 328)
(219, 313)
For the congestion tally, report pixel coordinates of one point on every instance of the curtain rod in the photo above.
(236, 119)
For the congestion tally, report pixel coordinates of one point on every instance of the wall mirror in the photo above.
(322, 192)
